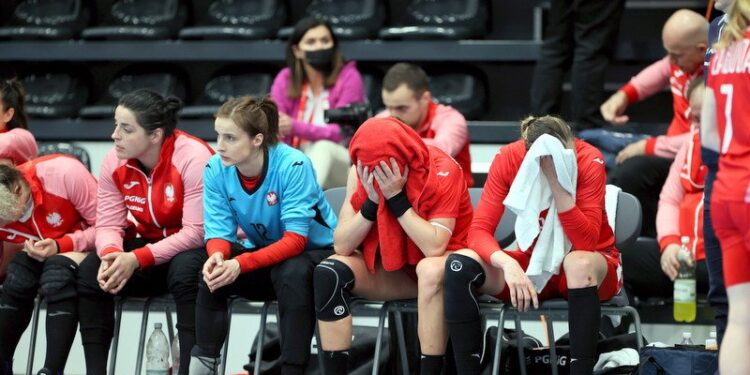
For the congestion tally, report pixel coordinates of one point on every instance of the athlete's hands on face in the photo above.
(547, 164)
(218, 273)
(389, 178)
(367, 177)
(115, 271)
(40, 250)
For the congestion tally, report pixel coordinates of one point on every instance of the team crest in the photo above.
(169, 193)
(54, 219)
(272, 198)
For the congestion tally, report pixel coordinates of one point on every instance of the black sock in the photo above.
(15, 315)
(185, 332)
(7, 367)
(583, 309)
(431, 364)
(62, 321)
(211, 313)
(467, 345)
(289, 369)
(336, 362)
(97, 319)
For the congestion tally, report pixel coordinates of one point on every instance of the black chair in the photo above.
(441, 19)
(141, 19)
(350, 19)
(238, 19)
(68, 149)
(465, 92)
(56, 92)
(229, 83)
(373, 84)
(165, 80)
(47, 19)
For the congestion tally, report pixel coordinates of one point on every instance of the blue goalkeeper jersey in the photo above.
(287, 197)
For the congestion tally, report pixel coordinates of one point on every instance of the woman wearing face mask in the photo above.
(48, 208)
(316, 78)
(154, 173)
(268, 190)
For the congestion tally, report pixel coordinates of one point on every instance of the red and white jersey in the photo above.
(167, 203)
(729, 78)
(64, 200)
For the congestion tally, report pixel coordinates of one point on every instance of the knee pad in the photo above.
(22, 278)
(463, 275)
(58, 281)
(333, 281)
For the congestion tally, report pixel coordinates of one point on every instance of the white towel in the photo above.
(529, 195)
(617, 358)
(612, 193)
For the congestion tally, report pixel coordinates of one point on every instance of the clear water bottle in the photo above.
(684, 285)
(175, 354)
(711, 343)
(157, 352)
(687, 339)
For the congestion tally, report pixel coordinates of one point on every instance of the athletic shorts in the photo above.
(557, 286)
(731, 221)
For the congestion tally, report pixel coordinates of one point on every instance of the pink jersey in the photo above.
(64, 196)
(167, 204)
(729, 78)
(18, 145)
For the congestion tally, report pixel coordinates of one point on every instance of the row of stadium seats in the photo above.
(239, 19)
(65, 91)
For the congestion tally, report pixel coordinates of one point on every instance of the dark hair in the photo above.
(151, 110)
(404, 73)
(254, 117)
(296, 65)
(13, 96)
(533, 127)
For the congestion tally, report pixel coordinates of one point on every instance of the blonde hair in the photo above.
(533, 127)
(739, 19)
(10, 201)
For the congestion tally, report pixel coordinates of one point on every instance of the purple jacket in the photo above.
(348, 89)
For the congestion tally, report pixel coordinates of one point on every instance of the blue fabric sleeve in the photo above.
(300, 195)
(219, 221)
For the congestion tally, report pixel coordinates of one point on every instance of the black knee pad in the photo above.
(463, 275)
(22, 280)
(333, 281)
(58, 281)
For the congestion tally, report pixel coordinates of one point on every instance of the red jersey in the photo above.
(585, 224)
(730, 81)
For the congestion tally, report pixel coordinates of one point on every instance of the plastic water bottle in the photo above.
(175, 355)
(711, 343)
(157, 352)
(687, 339)
(684, 285)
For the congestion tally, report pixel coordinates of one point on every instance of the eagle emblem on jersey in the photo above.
(54, 219)
(272, 198)
(169, 193)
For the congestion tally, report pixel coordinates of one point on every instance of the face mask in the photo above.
(321, 60)
(28, 211)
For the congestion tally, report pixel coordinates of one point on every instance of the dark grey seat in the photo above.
(68, 149)
(56, 92)
(141, 19)
(238, 19)
(464, 91)
(165, 80)
(47, 19)
(441, 19)
(226, 84)
(350, 19)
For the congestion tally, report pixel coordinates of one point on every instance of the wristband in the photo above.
(398, 204)
(369, 210)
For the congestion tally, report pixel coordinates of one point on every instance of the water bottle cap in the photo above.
(685, 240)
(157, 325)
(686, 335)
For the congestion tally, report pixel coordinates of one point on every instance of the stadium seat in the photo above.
(56, 92)
(441, 19)
(226, 84)
(238, 19)
(465, 92)
(350, 19)
(47, 19)
(77, 152)
(141, 19)
(165, 80)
